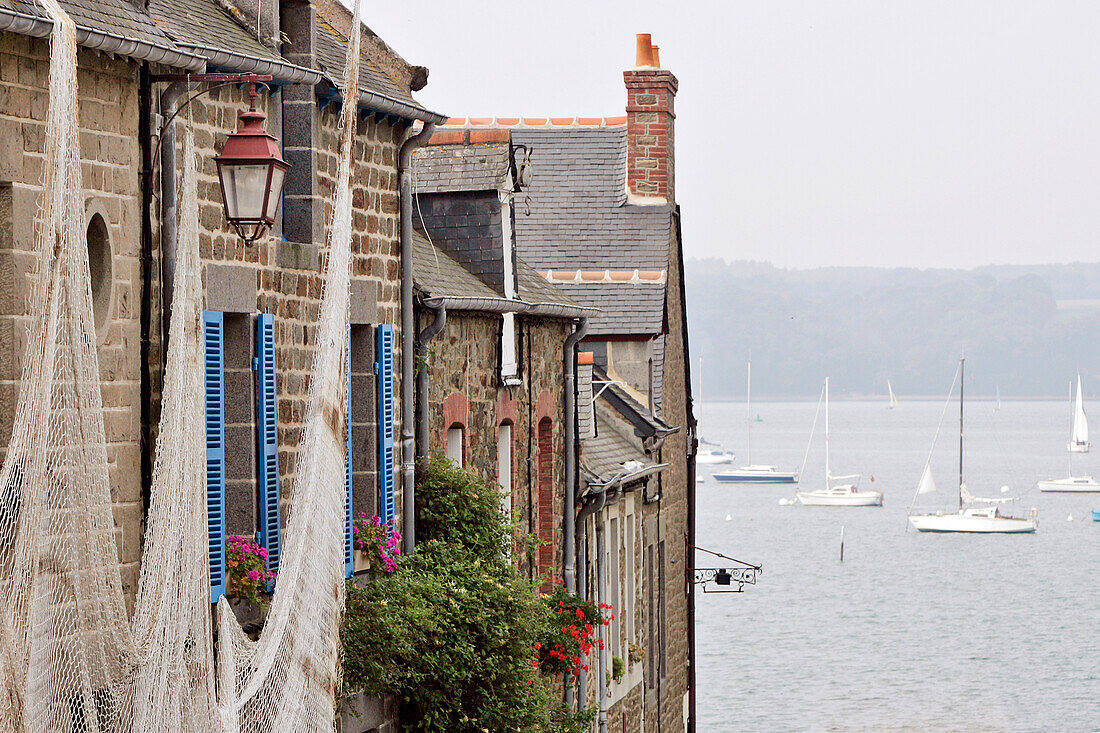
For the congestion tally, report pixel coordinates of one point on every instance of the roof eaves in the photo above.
(98, 40)
(282, 70)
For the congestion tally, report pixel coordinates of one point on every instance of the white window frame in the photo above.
(456, 435)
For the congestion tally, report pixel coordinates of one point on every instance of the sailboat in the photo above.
(1073, 484)
(968, 518)
(1079, 433)
(709, 456)
(893, 398)
(840, 494)
(752, 473)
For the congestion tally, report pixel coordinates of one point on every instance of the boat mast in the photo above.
(748, 409)
(1072, 420)
(962, 387)
(826, 433)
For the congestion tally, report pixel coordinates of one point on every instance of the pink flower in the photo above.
(253, 575)
(263, 553)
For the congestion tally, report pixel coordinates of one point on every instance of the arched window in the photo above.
(101, 271)
(455, 440)
(546, 494)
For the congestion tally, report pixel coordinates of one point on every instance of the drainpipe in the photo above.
(426, 335)
(408, 337)
(595, 503)
(569, 419)
(169, 98)
(601, 596)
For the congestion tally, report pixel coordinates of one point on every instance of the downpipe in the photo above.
(569, 419)
(169, 233)
(408, 338)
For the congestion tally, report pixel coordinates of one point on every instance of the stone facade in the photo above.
(110, 153)
(465, 390)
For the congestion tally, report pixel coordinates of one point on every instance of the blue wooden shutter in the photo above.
(349, 533)
(213, 363)
(267, 438)
(384, 369)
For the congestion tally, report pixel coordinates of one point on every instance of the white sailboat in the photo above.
(837, 494)
(754, 473)
(709, 456)
(893, 398)
(1083, 484)
(968, 518)
(1079, 433)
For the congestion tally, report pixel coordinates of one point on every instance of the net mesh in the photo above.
(287, 681)
(71, 661)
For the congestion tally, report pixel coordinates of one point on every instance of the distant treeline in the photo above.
(862, 326)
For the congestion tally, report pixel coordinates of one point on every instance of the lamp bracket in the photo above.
(725, 580)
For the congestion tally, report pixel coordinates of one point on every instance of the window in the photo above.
(455, 436)
(629, 589)
(546, 495)
(504, 467)
(614, 579)
(100, 269)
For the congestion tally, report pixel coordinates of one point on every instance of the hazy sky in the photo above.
(814, 133)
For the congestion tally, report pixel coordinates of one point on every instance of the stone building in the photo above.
(603, 226)
(262, 300)
(495, 375)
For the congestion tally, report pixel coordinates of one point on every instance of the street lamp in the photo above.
(251, 171)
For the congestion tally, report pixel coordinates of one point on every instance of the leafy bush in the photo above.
(452, 633)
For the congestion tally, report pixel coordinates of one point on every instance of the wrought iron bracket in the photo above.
(725, 580)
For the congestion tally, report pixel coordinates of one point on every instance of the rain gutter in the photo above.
(97, 40)
(282, 70)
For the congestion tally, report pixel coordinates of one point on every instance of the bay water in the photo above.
(912, 631)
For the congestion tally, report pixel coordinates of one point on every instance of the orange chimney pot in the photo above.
(657, 56)
(645, 50)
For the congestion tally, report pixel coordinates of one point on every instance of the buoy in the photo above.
(729, 517)
(1004, 489)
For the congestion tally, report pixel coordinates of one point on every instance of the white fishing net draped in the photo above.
(174, 686)
(70, 661)
(287, 681)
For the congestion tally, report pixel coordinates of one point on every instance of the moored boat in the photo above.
(968, 518)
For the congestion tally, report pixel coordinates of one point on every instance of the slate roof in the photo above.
(435, 272)
(615, 444)
(580, 218)
(625, 308)
(116, 17)
(332, 51)
(205, 23)
(447, 168)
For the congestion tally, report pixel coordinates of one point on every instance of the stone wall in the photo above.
(464, 364)
(111, 156)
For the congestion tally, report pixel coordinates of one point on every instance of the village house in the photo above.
(496, 339)
(600, 223)
(262, 298)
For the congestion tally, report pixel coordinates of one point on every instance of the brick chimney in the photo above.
(650, 125)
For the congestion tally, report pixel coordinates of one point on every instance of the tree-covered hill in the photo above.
(1027, 329)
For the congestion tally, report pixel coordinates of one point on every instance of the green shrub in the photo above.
(452, 633)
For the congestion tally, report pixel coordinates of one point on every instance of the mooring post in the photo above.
(842, 543)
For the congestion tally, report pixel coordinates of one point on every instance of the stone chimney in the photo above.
(650, 125)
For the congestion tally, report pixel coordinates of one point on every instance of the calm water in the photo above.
(912, 631)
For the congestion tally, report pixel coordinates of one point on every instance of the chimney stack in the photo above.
(650, 124)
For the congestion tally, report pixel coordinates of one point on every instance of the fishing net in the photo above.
(70, 661)
(287, 681)
(174, 686)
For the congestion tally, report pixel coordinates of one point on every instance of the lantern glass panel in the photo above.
(278, 176)
(244, 186)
